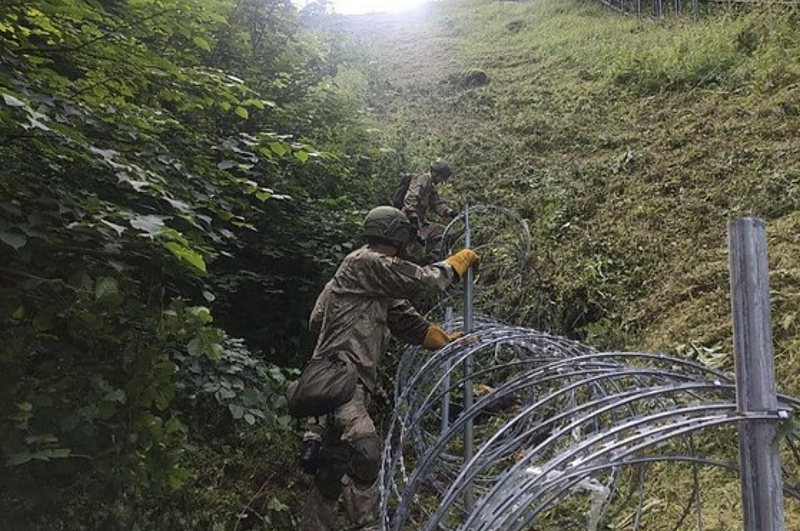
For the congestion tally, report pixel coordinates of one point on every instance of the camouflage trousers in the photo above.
(349, 467)
(429, 248)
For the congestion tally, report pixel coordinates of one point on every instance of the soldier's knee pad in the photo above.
(365, 462)
(329, 480)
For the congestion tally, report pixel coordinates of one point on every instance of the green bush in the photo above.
(181, 176)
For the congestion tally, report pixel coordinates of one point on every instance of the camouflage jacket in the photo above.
(365, 302)
(422, 197)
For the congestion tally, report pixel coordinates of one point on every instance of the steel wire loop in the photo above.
(560, 430)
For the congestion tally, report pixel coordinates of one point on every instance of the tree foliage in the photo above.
(171, 180)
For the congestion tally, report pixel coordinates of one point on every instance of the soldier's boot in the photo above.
(362, 506)
(319, 512)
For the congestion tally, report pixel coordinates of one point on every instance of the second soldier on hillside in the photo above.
(418, 196)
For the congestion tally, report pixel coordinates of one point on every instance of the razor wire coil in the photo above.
(560, 428)
(552, 418)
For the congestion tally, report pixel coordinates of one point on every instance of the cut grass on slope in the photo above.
(627, 146)
(623, 185)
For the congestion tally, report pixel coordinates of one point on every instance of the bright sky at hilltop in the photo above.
(355, 7)
(367, 6)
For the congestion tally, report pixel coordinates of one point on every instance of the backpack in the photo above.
(399, 195)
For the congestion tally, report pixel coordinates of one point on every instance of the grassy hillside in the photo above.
(626, 144)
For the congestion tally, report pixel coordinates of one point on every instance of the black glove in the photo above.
(414, 220)
(310, 451)
(380, 396)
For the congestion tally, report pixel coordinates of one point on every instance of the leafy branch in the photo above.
(100, 38)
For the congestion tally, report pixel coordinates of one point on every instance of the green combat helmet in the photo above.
(388, 223)
(441, 168)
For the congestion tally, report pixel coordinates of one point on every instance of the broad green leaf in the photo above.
(242, 112)
(203, 314)
(12, 101)
(106, 154)
(207, 343)
(276, 505)
(258, 104)
(117, 228)
(251, 397)
(150, 224)
(251, 186)
(191, 257)
(202, 44)
(46, 438)
(55, 453)
(196, 346)
(105, 287)
(216, 351)
(277, 375)
(302, 156)
(18, 459)
(227, 394)
(176, 477)
(117, 395)
(12, 237)
(279, 148)
(43, 455)
(172, 425)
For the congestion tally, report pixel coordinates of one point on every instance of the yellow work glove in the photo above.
(436, 338)
(462, 260)
(452, 336)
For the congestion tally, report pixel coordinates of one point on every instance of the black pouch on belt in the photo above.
(325, 384)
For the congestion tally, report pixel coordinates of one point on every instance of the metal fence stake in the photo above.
(760, 464)
(469, 435)
(448, 319)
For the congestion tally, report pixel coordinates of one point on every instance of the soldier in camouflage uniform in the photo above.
(359, 308)
(420, 198)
